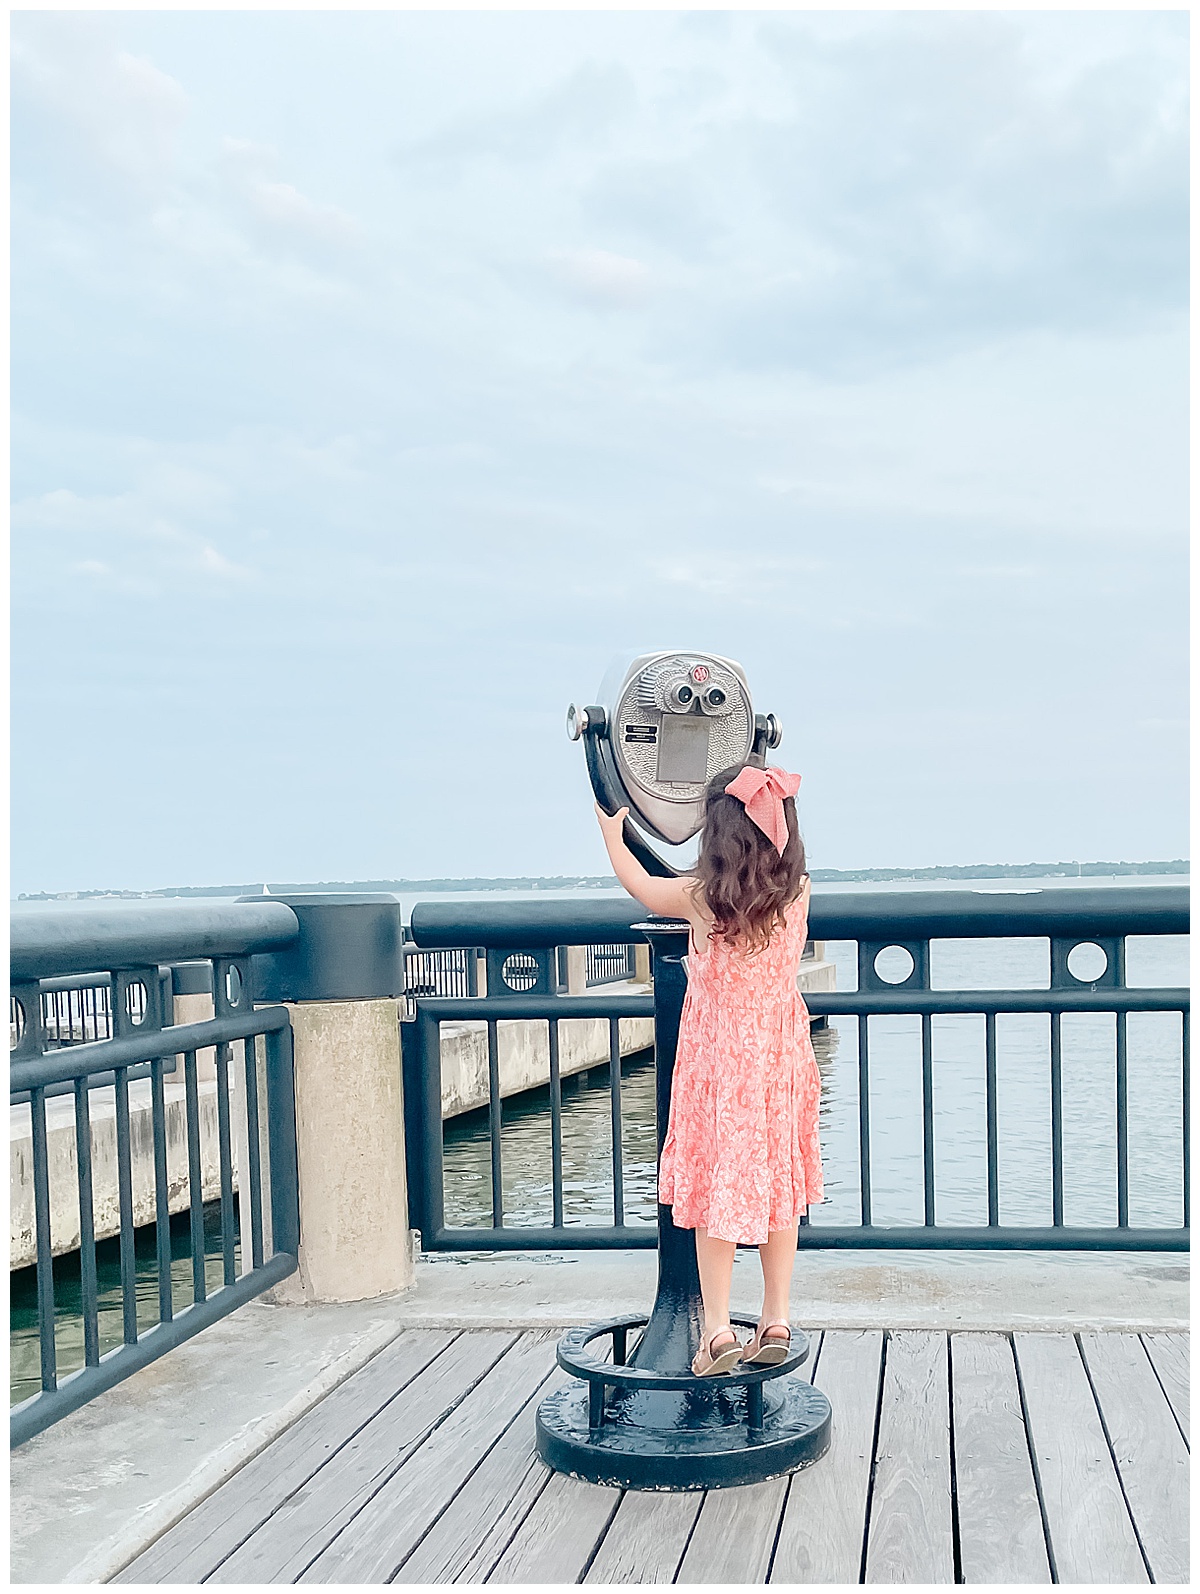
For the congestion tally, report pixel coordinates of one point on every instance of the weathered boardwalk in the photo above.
(963, 1457)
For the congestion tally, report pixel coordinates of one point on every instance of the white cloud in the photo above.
(108, 108)
(250, 171)
(144, 546)
(602, 277)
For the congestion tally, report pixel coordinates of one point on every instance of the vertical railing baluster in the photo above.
(125, 1194)
(1056, 1124)
(993, 1156)
(253, 1153)
(1122, 1126)
(283, 1171)
(428, 1142)
(864, 1121)
(225, 1153)
(614, 1075)
(556, 1127)
(195, 1175)
(45, 1254)
(162, 1208)
(927, 1110)
(1185, 1059)
(494, 1124)
(87, 1226)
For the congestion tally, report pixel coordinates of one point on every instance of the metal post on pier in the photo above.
(646, 1421)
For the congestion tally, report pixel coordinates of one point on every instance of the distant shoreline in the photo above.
(952, 871)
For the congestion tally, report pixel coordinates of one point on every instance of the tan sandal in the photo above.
(707, 1362)
(769, 1352)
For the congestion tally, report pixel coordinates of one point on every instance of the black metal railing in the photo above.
(423, 1121)
(450, 971)
(894, 933)
(454, 971)
(76, 1009)
(256, 1044)
(610, 962)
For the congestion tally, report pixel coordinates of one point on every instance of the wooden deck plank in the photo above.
(1151, 1456)
(1091, 1535)
(556, 1540)
(1000, 1532)
(646, 1539)
(471, 1535)
(735, 1534)
(1169, 1353)
(191, 1550)
(825, 1515)
(309, 1519)
(910, 1535)
(372, 1546)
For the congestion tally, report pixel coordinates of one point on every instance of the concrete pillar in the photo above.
(354, 1235)
(641, 956)
(576, 970)
(341, 981)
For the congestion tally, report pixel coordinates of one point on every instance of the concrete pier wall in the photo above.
(523, 1046)
(64, 1187)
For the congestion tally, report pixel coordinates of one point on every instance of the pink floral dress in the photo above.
(742, 1155)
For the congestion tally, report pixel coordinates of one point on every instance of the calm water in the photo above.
(25, 1377)
(897, 1189)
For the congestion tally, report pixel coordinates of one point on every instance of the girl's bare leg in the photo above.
(715, 1258)
(778, 1259)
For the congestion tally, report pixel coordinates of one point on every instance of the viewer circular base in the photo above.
(641, 1429)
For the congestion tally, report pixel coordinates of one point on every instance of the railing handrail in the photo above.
(50, 941)
(833, 916)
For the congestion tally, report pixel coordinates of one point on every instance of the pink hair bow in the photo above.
(762, 791)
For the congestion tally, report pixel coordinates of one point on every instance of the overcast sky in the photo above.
(378, 376)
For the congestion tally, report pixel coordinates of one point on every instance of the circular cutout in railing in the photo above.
(1087, 962)
(233, 984)
(894, 964)
(520, 971)
(16, 1023)
(135, 1002)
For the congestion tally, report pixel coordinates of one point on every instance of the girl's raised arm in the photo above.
(652, 891)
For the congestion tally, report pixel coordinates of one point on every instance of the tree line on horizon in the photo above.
(950, 871)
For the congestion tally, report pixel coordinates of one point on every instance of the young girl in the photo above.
(741, 1162)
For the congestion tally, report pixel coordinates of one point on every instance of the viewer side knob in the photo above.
(582, 720)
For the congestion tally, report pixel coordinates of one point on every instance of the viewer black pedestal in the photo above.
(648, 1422)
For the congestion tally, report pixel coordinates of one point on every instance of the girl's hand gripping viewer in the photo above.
(664, 725)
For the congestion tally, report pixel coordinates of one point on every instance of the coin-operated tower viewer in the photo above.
(664, 725)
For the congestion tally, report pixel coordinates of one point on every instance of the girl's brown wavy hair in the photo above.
(747, 884)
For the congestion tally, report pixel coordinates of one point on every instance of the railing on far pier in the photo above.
(610, 962)
(47, 949)
(452, 971)
(889, 929)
